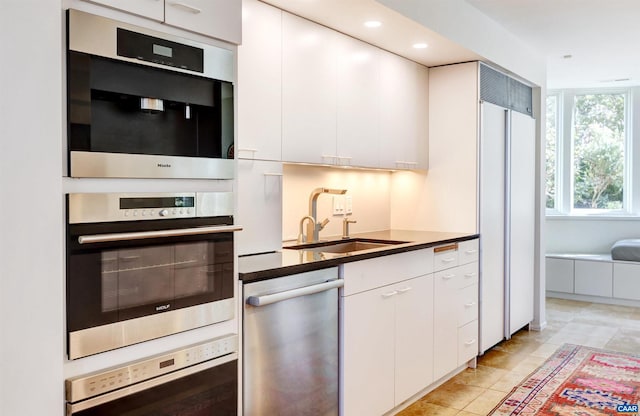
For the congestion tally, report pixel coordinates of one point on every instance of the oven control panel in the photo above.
(158, 213)
(86, 386)
(111, 207)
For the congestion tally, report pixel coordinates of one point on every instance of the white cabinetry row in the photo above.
(309, 94)
(220, 19)
(405, 327)
(595, 275)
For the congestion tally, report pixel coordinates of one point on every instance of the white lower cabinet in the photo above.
(387, 335)
(388, 349)
(404, 327)
(455, 317)
(593, 278)
(626, 281)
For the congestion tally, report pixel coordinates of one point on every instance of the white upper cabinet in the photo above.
(404, 113)
(259, 89)
(153, 9)
(308, 92)
(340, 101)
(358, 106)
(220, 19)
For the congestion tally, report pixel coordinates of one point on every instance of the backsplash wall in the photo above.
(369, 190)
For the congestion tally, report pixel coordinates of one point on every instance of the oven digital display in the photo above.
(161, 202)
(162, 50)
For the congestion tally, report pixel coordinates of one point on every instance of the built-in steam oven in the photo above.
(146, 265)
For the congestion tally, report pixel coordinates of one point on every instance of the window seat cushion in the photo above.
(627, 250)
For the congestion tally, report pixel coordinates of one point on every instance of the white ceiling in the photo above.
(601, 36)
(397, 33)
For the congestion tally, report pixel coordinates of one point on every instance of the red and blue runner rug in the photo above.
(578, 381)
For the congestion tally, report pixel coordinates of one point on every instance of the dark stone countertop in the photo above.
(287, 261)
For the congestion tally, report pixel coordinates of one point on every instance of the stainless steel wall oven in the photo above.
(143, 104)
(142, 266)
(199, 380)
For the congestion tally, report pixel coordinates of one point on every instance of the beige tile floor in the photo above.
(477, 391)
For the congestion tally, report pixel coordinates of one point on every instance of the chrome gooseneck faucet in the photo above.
(314, 226)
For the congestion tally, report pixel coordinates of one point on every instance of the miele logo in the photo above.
(164, 165)
(163, 307)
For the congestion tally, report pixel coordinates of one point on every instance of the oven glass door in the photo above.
(120, 281)
(206, 393)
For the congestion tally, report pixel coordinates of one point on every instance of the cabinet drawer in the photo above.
(468, 275)
(445, 257)
(368, 274)
(468, 305)
(468, 251)
(467, 342)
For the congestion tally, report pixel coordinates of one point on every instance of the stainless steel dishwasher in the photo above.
(290, 360)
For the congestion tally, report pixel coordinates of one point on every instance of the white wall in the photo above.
(369, 189)
(587, 235)
(31, 213)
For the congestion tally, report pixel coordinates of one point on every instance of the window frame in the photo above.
(563, 204)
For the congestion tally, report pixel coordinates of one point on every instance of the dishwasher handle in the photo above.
(294, 293)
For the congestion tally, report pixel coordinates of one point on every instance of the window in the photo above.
(587, 152)
(552, 129)
(598, 151)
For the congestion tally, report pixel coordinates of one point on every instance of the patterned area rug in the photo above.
(578, 381)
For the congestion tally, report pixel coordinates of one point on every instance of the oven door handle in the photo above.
(294, 293)
(141, 235)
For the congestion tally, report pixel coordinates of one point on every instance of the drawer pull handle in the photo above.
(404, 290)
(468, 305)
(448, 276)
(446, 248)
(448, 260)
(470, 342)
(389, 294)
(470, 274)
(273, 174)
(187, 7)
(471, 251)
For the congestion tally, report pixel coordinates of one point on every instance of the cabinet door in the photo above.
(626, 281)
(398, 111)
(220, 19)
(559, 275)
(358, 106)
(308, 92)
(368, 352)
(492, 229)
(414, 337)
(259, 206)
(593, 278)
(259, 89)
(153, 9)
(522, 219)
(445, 318)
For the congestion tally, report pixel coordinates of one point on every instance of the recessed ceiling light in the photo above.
(373, 23)
(420, 45)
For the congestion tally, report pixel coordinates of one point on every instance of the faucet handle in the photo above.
(323, 223)
(345, 227)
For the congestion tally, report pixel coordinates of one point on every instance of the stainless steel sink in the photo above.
(348, 246)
